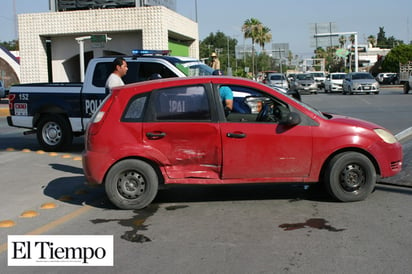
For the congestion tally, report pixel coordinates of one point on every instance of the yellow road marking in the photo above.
(29, 214)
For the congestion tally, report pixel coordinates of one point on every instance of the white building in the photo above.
(49, 50)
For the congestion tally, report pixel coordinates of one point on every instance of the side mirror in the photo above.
(291, 119)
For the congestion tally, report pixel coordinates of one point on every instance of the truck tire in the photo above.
(54, 133)
(406, 88)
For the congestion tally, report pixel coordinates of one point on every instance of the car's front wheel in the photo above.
(350, 176)
(131, 184)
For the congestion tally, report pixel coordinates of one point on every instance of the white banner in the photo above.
(60, 250)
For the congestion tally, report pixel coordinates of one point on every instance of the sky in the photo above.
(290, 21)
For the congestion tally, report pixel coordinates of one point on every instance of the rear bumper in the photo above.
(95, 166)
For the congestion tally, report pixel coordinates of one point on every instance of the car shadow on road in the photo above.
(75, 190)
(214, 193)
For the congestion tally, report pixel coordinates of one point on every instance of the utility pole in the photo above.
(344, 33)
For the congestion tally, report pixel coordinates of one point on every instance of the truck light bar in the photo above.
(141, 52)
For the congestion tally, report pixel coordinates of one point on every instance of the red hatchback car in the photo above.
(176, 131)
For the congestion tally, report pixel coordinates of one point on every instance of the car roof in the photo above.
(147, 86)
(171, 59)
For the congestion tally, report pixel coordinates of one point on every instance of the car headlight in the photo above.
(385, 135)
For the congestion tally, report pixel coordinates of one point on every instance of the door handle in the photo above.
(236, 135)
(155, 136)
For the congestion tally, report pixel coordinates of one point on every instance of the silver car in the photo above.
(304, 82)
(334, 82)
(277, 79)
(360, 82)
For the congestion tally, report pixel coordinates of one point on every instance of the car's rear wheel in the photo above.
(350, 176)
(131, 184)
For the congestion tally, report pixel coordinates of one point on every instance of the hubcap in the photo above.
(352, 178)
(131, 185)
(51, 133)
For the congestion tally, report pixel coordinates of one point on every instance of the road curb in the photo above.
(404, 134)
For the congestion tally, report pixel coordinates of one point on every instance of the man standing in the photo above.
(215, 64)
(119, 70)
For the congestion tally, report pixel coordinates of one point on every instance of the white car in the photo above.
(277, 79)
(381, 77)
(333, 82)
(360, 82)
(319, 77)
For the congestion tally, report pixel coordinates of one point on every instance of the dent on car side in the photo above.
(226, 149)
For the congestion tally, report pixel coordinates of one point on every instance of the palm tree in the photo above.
(352, 39)
(342, 41)
(251, 29)
(372, 40)
(263, 36)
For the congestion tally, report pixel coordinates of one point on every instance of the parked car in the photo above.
(384, 77)
(277, 79)
(319, 77)
(333, 82)
(360, 82)
(393, 79)
(264, 75)
(2, 89)
(176, 131)
(304, 82)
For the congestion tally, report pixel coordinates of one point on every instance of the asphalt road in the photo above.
(214, 229)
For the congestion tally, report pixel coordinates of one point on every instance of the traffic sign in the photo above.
(342, 52)
(98, 38)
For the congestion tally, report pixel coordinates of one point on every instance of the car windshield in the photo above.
(359, 76)
(317, 74)
(338, 76)
(304, 77)
(194, 68)
(275, 77)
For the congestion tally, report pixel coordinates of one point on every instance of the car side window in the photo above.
(147, 69)
(101, 73)
(250, 105)
(187, 103)
(135, 109)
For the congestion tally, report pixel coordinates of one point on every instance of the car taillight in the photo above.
(11, 98)
(98, 117)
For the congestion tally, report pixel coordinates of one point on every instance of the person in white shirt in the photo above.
(115, 78)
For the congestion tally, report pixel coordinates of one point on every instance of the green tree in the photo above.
(372, 40)
(263, 36)
(225, 45)
(11, 45)
(342, 41)
(352, 39)
(386, 43)
(399, 54)
(251, 29)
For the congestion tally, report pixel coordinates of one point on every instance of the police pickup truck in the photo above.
(57, 112)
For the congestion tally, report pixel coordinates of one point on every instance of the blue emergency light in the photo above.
(141, 52)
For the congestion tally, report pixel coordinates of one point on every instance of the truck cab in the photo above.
(57, 112)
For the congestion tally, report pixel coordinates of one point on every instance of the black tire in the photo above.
(406, 88)
(54, 133)
(131, 184)
(350, 176)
